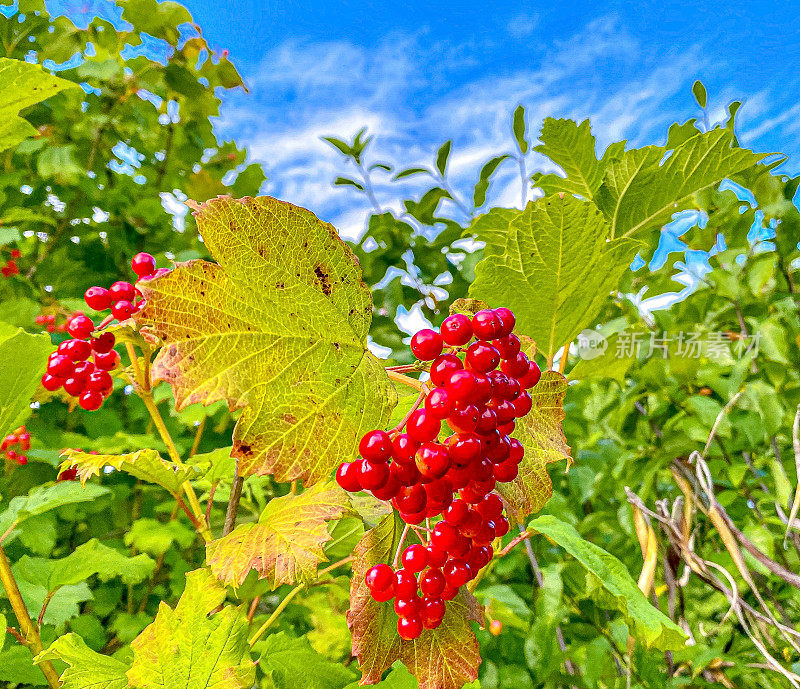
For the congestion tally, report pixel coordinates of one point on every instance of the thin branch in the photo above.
(796, 501)
(233, 502)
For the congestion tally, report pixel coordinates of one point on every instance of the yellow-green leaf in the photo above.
(286, 545)
(146, 465)
(87, 668)
(191, 648)
(24, 358)
(443, 658)
(572, 147)
(551, 264)
(541, 435)
(278, 326)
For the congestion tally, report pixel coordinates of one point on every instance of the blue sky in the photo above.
(419, 73)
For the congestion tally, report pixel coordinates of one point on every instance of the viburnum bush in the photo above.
(242, 472)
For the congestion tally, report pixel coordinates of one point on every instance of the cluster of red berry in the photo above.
(122, 297)
(479, 397)
(20, 439)
(11, 268)
(49, 321)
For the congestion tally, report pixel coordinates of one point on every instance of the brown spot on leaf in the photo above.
(324, 280)
(289, 418)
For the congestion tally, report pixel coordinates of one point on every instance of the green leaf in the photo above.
(156, 538)
(484, 179)
(59, 163)
(87, 668)
(278, 327)
(286, 545)
(23, 84)
(217, 465)
(347, 182)
(551, 264)
(572, 147)
(159, 19)
(44, 498)
(541, 434)
(519, 129)
(16, 667)
(442, 156)
(341, 146)
(24, 358)
(699, 93)
(443, 658)
(191, 648)
(647, 624)
(63, 605)
(85, 561)
(2, 630)
(146, 465)
(284, 659)
(412, 171)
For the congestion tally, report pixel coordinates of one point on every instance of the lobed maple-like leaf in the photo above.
(551, 264)
(191, 648)
(544, 441)
(146, 465)
(278, 326)
(572, 147)
(286, 545)
(86, 669)
(443, 658)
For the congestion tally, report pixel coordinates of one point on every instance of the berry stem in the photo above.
(515, 541)
(405, 380)
(400, 546)
(28, 629)
(420, 399)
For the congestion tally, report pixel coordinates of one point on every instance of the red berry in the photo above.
(75, 386)
(432, 460)
(464, 448)
(478, 557)
(482, 357)
(506, 471)
(507, 428)
(90, 400)
(51, 382)
(431, 582)
(80, 327)
(491, 507)
(83, 369)
(406, 607)
(443, 367)
(461, 385)
(471, 524)
(122, 291)
(406, 584)
(444, 536)
(376, 446)
(382, 596)
(516, 367)
(456, 330)
(413, 517)
(486, 325)
(106, 362)
(372, 476)
(77, 350)
(438, 403)
(409, 628)
(501, 526)
(531, 377)
(143, 264)
(449, 592)
(24, 441)
(507, 321)
(457, 572)
(456, 513)
(22, 460)
(436, 557)
(347, 477)
(440, 492)
(522, 405)
(101, 382)
(495, 627)
(404, 447)
(516, 451)
(411, 499)
(415, 558)
(380, 578)
(422, 426)
(505, 411)
(406, 474)
(97, 298)
(103, 343)
(389, 489)
(122, 310)
(486, 535)
(432, 611)
(483, 388)
(508, 347)
(426, 344)
(487, 422)
(60, 366)
(464, 419)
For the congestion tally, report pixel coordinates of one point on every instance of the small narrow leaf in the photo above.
(442, 156)
(146, 465)
(484, 179)
(648, 625)
(412, 171)
(286, 545)
(347, 182)
(192, 646)
(87, 668)
(342, 146)
(520, 129)
(699, 93)
(443, 658)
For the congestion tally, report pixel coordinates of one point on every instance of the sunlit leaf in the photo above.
(24, 358)
(87, 668)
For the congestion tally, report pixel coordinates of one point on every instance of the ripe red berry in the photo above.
(456, 330)
(380, 578)
(507, 321)
(409, 628)
(522, 405)
(406, 474)
(478, 557)
(107, 361)
(406, 607)
(443, 367)
(432, 460)
(506, 471)
(60, 366)
(404, 447)
(449, 592)
(457, 572)
(413, 517)
(103, 343)
(456, 513)
(464, 419)
(90, 400)
(376, 446)
(426, 344)
(482, 357)
(372, 476)
(122, 291)
(389, 489)
(97, 298)
(411, 499)
(464, 448)
(347, 477)
(415, 558)
(77, 350)
(487, 421)
(431, 582)
(516, 451)
(444, 536)
(531, 377)
(422, 426)
(438, 403)
(516, 367)
(51, 382)
(406, 584)
(461, 385)
(486, 535)
(508, 347)
(471, 524)
(100, 381)
(501, 526)
(436, 557)
(490, 507)
(440, 492)
(382, 596)
(122, 310)
(80, 327)
(143, 264)
(505, 411)
(486, 325)
(74, 386)
(432, 611)
(483, 388)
